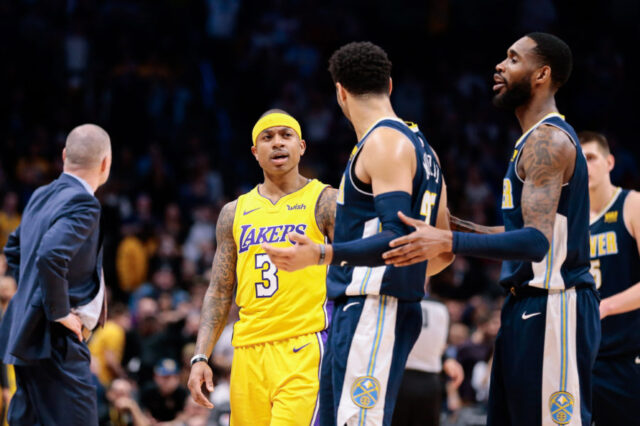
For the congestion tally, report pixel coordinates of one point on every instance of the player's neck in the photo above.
(600, 196)
(535, 110)
(364, 113)
(276, 187)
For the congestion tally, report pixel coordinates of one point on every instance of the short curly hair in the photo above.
(361, 68)
(555, 53)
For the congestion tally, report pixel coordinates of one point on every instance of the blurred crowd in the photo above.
(179, 84)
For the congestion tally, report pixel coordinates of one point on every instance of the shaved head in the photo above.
(87, 145)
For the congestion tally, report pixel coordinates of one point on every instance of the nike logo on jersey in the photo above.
(526, 316)
(348, 305)
(298, 349)
(246, 212)
(638, 360)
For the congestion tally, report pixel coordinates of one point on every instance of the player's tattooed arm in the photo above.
(547, 161)
(219, 295)
(326, 211)
(462, 225)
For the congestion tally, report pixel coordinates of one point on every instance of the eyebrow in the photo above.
(512, 52)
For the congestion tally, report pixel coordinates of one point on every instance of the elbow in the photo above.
(538, 256)
(540, 246)
(51, 260)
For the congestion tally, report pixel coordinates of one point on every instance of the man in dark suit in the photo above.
(55, 257)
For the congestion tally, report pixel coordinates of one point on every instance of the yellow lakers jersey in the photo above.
(274, 304)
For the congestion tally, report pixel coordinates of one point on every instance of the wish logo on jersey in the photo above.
(251, 236)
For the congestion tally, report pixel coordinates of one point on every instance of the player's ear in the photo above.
(254, 151)
(390, 85)
(303, 147)
(611, 162)
(341, 92)
(64, 154)
(543, 75)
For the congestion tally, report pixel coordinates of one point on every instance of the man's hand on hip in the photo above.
(73, 323)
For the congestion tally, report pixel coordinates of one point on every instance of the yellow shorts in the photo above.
(276, 383)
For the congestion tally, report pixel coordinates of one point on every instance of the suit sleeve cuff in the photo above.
(54, 313)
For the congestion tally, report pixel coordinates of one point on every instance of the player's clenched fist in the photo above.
(201, 374)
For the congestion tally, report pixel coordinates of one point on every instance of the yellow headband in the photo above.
(273, 120)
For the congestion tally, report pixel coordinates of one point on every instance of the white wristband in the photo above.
(198, 358)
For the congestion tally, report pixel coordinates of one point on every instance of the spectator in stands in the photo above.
(107, 345)
(123, 409)
(7, 290)
(9, 217)
(165, 398)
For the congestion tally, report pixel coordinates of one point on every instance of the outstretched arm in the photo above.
(412, 248)
(547, 161)
(216, 304)
(388, 162)
(462, 225)
(629, 299)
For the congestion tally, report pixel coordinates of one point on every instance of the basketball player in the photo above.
(615, 265)
(377, 316)
(550, 329)
(278, 347)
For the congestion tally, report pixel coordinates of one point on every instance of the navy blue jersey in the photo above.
(615, 265)
(567, 262)
(356, 218)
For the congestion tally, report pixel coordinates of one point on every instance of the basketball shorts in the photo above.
(276, 383)
(616, 390)
(544, 353)
(367, 348)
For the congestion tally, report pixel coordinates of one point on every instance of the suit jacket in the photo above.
(54, 257)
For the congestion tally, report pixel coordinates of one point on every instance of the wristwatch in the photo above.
(198, 358)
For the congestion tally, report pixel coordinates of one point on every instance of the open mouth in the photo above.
(279, 158)
(499, 82)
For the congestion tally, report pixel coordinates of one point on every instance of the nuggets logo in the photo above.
(611, 217)
(365, 391)
(561, 407)
(251, 236)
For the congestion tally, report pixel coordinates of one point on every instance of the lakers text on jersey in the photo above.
(274, 304)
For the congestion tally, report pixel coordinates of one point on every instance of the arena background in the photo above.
(179, 84)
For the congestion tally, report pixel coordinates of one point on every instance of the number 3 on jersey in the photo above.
(269, 284)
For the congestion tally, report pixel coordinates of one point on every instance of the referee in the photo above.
(419, 401)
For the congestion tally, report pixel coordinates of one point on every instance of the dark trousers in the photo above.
(419, 401)
(58, 390)
(616, 390)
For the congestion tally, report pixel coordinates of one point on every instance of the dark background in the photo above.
(179, 84)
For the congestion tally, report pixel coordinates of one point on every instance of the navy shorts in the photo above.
(369, 341)
(616, 390)
(544, 353)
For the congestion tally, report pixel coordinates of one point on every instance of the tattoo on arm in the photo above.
(326, 211)
(219, 295)
(546, 159)
(461, 225)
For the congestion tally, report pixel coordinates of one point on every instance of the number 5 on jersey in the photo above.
(428, 203)
(269, 284)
